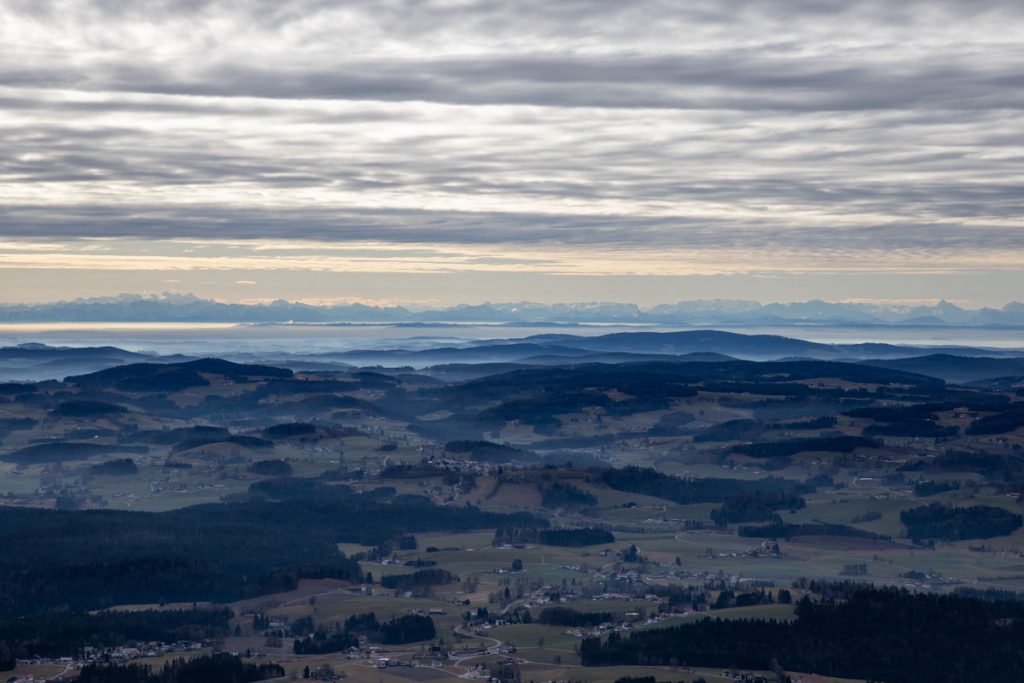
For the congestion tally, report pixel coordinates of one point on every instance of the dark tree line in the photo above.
(562, 494)
(992, 465)
(672, 424)
(926, 429)
(1000, 423)
(969, 400)
(677, 595)
(87, 408)
(924, 489)
(874, 634)
(782, 530)
(219, 668)
(575, 538)
(409, 628)
(756, 506)
(64, 451)
(732, 430)
(566, 616)
(650, 482)
(271, 468)
(64, 634)
(823, 422)
(289, 429)
(829, 444)
(418, 580)
(120, 467)
(947, 523)
(569, 538)
(324, 642)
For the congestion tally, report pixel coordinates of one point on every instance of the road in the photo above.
(60, 676)
(490, 651)
(317, 595)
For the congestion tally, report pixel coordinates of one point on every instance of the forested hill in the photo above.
(91, 559)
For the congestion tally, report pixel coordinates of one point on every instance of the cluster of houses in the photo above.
(324, 673)
(151, 649)
(929, 580)
(120, 654)
(681, 523)
(436, 658)
(430, 612)
(745, 677)
(466, 466)
(478, 673)
(632, 620)
(390, 662)
(670, 571)
(748, 677)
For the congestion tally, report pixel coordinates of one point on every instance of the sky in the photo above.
(459, 151)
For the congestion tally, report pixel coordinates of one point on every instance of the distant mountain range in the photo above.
(690, 345)
(34, 362)
(188, 308)
(477, 358)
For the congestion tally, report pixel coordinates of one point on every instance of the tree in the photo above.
(776, 668)
(517, 565)
(631, 555)
(725, 600)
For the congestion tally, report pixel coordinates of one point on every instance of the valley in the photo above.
(518, 513)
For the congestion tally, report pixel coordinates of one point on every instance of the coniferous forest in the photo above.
(878, 634)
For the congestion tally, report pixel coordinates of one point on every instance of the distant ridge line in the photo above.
(184, 308)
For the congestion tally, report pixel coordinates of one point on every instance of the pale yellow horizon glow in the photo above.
(378, 257)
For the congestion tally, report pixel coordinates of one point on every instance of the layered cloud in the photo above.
(569, 137)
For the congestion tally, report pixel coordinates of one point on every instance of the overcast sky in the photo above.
(553, 150)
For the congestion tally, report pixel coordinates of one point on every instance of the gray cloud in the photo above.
(754, 80)
(830, 127)
(469, 228)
